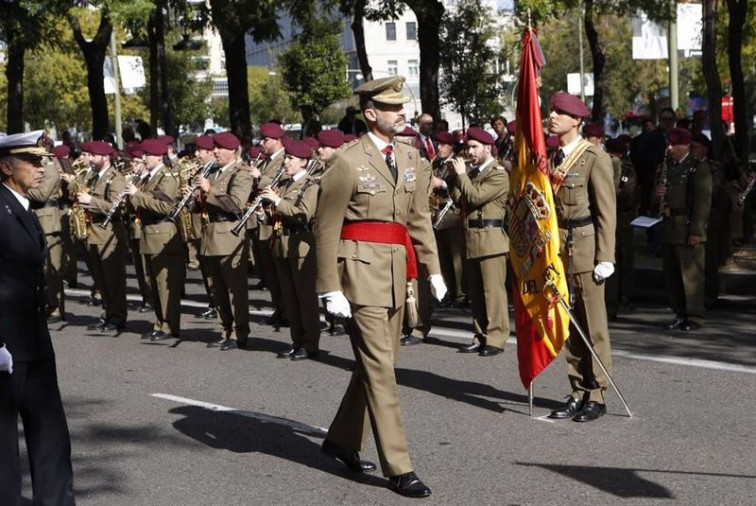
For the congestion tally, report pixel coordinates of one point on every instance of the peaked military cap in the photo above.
(386, 90)
(29, 143)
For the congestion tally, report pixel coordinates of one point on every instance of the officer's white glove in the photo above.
(6, 360)
(438, 287)
(602, 271)
(337, 304)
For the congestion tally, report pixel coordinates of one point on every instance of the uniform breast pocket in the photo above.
(573, 192)
(410, 187)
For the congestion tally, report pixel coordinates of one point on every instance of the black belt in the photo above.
(678, 212)
(221, 218)
(295, 229)
(100, 218)
(43, 205)
(155, 221)
(481, 223)
(576, 222)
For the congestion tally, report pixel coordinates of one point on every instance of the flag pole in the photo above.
(550, 284)
(530, 399)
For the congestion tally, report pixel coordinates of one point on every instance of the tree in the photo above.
(313, 66)
(738, 11)
(713, 82)
(356, 8)
(469, 83)
(268, 98)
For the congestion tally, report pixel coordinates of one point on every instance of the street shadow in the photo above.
(251, 432)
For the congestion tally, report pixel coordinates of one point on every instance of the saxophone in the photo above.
(187, 169)
(79, 217)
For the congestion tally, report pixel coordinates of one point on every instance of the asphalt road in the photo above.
(176, 423)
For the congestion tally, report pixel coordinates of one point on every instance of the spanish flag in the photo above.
(542, 323)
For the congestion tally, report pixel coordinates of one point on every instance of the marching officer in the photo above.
(293, 209)
(226, 255)
(687, 201)
(372, 202)
(583, 182)
(161, 242)
(620, 288)
(482, 195)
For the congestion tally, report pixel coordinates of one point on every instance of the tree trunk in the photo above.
(597, 53)
(154, 76)
(429, 15)
(738, 11)
(711, 75)
(165, 102)
(14, 73)
(238, 94)
(358, 30)
(94, 56)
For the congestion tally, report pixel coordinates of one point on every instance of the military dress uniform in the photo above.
(162, 247)
(448, 235)
(587, 220)
(134, 230)
(360, 189)
(688, 201)
(294, 255)
(482, 195)
(226, 255)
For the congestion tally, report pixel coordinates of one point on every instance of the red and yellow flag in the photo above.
(542, 324)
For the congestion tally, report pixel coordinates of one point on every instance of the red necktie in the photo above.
(429, 148)
(388, 151)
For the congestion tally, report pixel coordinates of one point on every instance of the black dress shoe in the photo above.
(274, 318)
(111, 327)
(568, 410)
(228, 344)
(94, 302)
(410, 341)
(489, 351)
(261, 286)
(301, 354)
(217, 344)
(351, 459)
(148, 335)
(208, 314)
(96, 326)
(409, 485)
(473, 348)
(691, 326)
(160, 336)
(287, 353)
(144, 308)
(53, 318)
(591, 411)
(676, 324)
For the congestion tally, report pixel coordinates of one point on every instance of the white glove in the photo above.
(438, 287)
(337, 304)
(6, 360)
(602, 271)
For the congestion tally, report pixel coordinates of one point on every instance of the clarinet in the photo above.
(185, 200)
(253, 208)
(447, 207)
(118, 202)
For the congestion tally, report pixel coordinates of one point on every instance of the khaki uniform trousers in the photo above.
(203, 270)
(450, 258)
(108, 264)
(622, 282)
(372, 396)
(586, 377)
(488, 298)
(684, 277)
(269, 273)
(69, 268)
(227, 277)
(54, 275)
(143, 281)
(297, 276)
(167, 273)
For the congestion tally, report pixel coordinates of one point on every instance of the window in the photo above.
(412, 68)
(391, 31)
(411, 30)
(393, 67)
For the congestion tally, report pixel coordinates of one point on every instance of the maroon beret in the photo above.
(272, 130)
(98, 148)
(407, 132)
(300, 149)
(701, 139)
(312, 142)
(511, 127)
(205, 142)
(445, 138)
(349, 138)
(154, 147)
(677, 136)
(255, 151)
(331, 138)
(552, 141)
(166, 139)
(61, 151)
(569, 104)
(226, 140)
(616, 146)
(480, 135)
(134, 149)
(593, 130)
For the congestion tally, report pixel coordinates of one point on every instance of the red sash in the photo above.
(383, 233)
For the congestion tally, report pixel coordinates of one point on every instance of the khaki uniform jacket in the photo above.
(236, 183)
(482, 194)
(451, 218)
(293, 237)
(269, 171)
(358, 187)
(45, 200)
(104, 195)
(625, 183)
(155, 201)
(689, 201)
(588, 190)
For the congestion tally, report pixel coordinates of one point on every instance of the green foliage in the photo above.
(268, 98)
(314, 66)
(469, 83)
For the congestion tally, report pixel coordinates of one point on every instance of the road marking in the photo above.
(292, 424)
(690, 362)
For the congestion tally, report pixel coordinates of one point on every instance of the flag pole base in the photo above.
(530, 399)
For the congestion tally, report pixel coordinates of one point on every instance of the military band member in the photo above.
(134, 230)
(583, 179)
(224, 194)
(154, 200)
(482, 195)
(205, 152)
(69, 270)
(330, 141)
(294, 204)
(593, 133)
(107, 246)
(620, 287)
(371, 199)
(687, 198)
